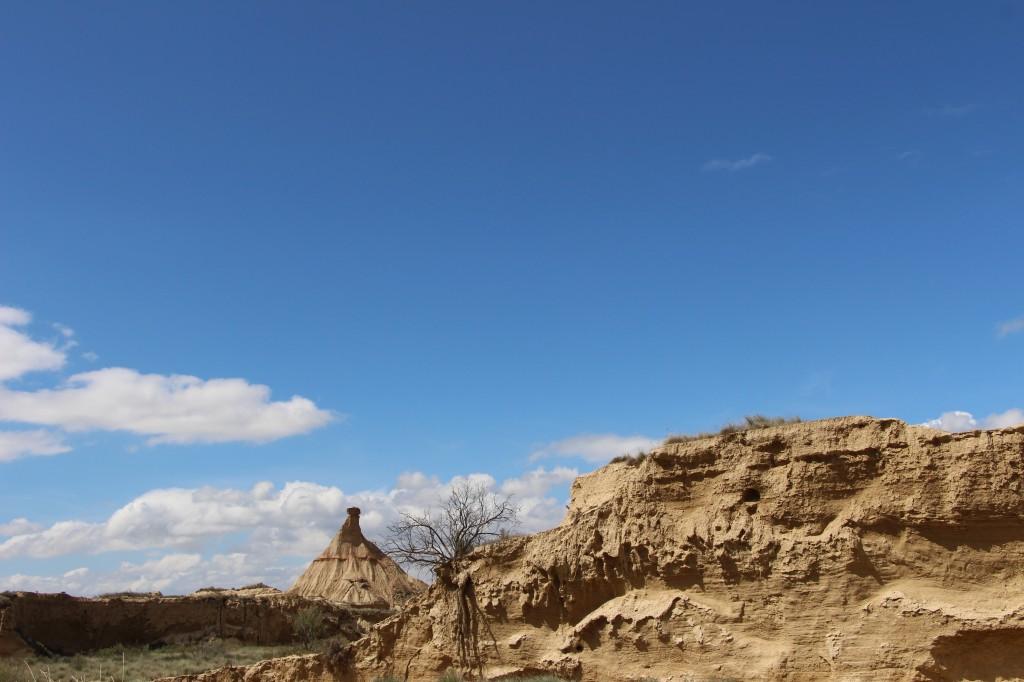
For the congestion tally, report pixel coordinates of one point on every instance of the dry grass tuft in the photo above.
(751, 422)
(631, 460)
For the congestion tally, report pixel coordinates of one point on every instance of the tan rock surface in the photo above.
(353, 570)
(845, 549)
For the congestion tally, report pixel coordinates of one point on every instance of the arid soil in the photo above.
(65, 625)
(844, 549)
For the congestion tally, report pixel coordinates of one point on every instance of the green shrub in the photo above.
(309, 624)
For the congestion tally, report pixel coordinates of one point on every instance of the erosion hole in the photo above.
(751, 495)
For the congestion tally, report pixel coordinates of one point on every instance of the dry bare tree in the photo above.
(438, 538)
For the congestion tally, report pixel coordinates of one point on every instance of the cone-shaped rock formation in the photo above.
(355, 571)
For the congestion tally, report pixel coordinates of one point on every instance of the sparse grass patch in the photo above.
(139, 663)
(751, 422)
(130, 595)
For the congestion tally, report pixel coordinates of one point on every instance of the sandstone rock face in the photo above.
(66, 625)
(845, 549)
(353, 570)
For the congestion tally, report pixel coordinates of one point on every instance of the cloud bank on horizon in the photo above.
(282, 529)
(958, 420)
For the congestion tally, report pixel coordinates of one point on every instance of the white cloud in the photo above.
(150, 576)
(537, 508)
(72, 582)
(953, 421)
(19, 526)
(598, 448)
(18, 353)
(15, 444)
(965, 421)
(283, 529)
(1004, 329)
(168, 409)
(736, 164)
(65, 331)
(1002, 420)
(296, 520)
(14, 317)
(165, 409)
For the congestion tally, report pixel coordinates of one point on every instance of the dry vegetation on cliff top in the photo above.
(751, 422)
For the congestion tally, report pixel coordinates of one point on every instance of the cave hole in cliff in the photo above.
(751, 495)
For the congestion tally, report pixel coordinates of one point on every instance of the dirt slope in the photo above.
(353, 570)
(845, 549)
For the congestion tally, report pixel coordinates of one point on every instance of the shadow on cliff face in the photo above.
(977, 536)
(977, 655)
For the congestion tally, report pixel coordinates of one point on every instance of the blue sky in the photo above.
(464, 234)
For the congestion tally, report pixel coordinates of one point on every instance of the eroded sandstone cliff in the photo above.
(62, 624)
(852, 549)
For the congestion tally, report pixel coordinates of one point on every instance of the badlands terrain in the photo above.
(846, 549)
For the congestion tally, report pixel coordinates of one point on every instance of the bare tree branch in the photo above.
(469, 517)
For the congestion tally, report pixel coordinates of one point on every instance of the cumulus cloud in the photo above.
(959, 420)
(163, 408)
(1002, 420)
(595, 447)
(18, 526)
(19, 354)
(15, 444)
(167, 409)
(297, 519)
(956, 420)
(1004, 329)
(733, 165)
